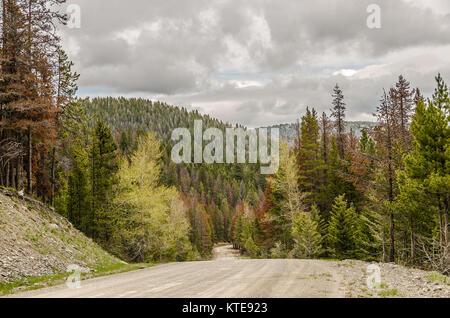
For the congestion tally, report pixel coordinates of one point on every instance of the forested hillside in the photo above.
(211, 192)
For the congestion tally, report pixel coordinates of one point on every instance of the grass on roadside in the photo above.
(436, 277)
(33, 283)
(388, 293)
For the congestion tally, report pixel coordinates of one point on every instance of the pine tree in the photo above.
(343, 230)
(285, 198)
(427, 165)
(104, 166)
(260, 235)
(78, 200)
(310, 166)
(325, 131)
(338, 113)
(71, 119)
(306, 235)
(337, 183)
(251, 248)
(364, 141)
(441, 95)
(66, 85)
(239, 232)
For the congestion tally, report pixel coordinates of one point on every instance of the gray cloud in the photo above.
(258, 62)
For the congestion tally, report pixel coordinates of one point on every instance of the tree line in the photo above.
(381, 197)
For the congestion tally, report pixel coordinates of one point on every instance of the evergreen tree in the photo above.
(325, 131)
(337, 184)
(103, 166)
(251, 248)
(306, 235)
(426, 167)
(343, 230)
(441, 95)
(338, 113)
(260, 235)
(238, 237)
(78, 200)
(285, 199)
(310, 165)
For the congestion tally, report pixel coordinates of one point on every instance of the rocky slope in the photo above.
(35, 241)
(396, 281)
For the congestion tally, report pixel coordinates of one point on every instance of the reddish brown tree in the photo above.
(385, 135)
(28, 108)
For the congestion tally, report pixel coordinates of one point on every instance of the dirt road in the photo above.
(226, 276)
(224, 252)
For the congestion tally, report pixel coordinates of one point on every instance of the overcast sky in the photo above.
(258, 62)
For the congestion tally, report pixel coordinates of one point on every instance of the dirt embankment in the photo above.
(35, 241)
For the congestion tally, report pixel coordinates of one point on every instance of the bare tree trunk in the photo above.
(16, 177)
(391, 197)
(446, 228)
(42, 188)
(30, 163)
(7, 175)
(413, 242)
(383, 259)
(441, 223)
(12, 183)
(391, 216)
(19, 173)
(93, 225)
(392, 239)
(53, 179)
